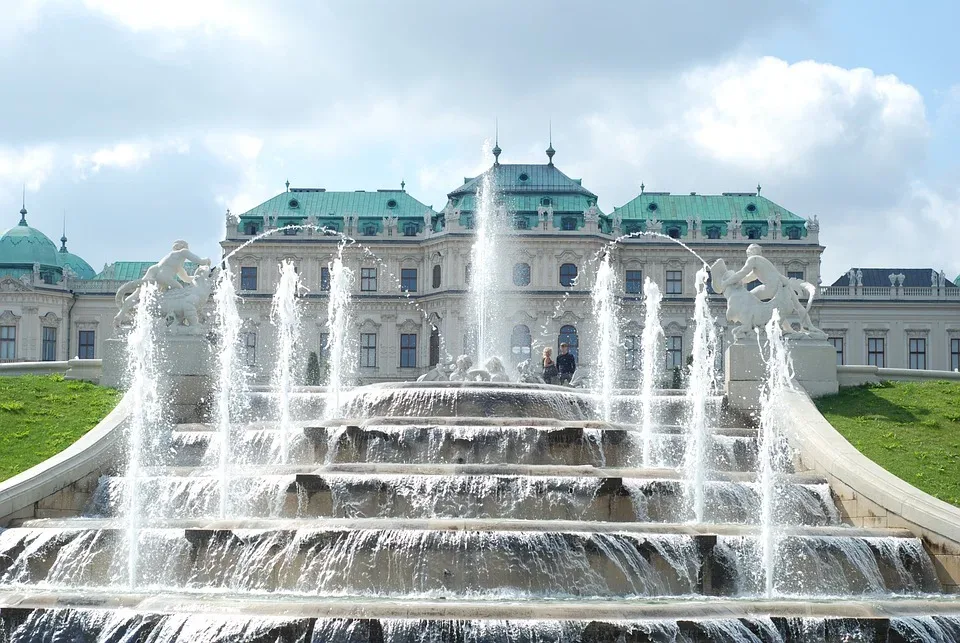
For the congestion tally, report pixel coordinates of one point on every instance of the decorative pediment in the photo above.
(569, 317)
(87, 324)
(409, 326)
(8, 317)
(50, 319)
(409, 262)
(875, 332)
(9, 284)
(568, 256)
(523, 317)
(369, 326)
(674, 327)
(835, 332)
(917, 332)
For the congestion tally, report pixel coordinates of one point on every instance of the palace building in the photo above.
(412, 270)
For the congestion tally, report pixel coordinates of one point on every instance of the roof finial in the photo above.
(550, 150)
(496, 145)
(63, 239)
(403, 185)
(23, 208)
(288, 185)
(758, 189)
(642, 186)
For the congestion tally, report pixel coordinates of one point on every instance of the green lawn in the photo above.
(911, 429)
(41, 416)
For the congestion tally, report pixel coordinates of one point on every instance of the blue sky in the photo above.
(144, 121)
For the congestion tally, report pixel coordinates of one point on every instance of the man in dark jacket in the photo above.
(566, 364)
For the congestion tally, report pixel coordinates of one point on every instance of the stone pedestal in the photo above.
(814, 366)
(185, 373)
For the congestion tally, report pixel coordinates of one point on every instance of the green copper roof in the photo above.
(530, 202)
(707, 207)
(23, 245)
(130, 270)
(525, 179)
(77, 265)
(304, 202)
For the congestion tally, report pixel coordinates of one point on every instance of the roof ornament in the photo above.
(23, 208)
(758, 189)
(403, 185)
(642, 186)
(288, 185)
(496, 146)
(550, 150)
(63, 238)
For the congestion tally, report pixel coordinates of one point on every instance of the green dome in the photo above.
(23, 245)
(76, 264)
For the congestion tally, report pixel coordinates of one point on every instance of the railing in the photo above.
(73, 369)
(887, 292)
(855, 375)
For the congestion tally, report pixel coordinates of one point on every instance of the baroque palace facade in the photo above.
(413, 267)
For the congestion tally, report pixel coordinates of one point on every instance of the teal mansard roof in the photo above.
(299, 203)
(663, 206)
(24, 246)
(525, 188)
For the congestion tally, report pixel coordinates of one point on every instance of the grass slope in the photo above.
(41, 416)
(911, 429)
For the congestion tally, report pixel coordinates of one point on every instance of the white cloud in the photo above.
(31, 166)
(184, 15)
(125, 156)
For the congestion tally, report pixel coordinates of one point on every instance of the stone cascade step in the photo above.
(463, 491)
(732, 449)
(477, 559)
(85, 617)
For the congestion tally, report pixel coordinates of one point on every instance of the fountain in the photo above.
(286, 319)
(464, 509)
(700, 385)
(485, 254)
(608, 336)
(338, 326)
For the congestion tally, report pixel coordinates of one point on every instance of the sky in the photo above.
(141, 122)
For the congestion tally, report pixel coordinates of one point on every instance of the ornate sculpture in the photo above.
(617, 223)
(529, 372)
(441, 372)
(181, 295)
(754, 308)
(859, 278)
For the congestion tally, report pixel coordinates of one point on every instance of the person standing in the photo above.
(550, 372)
(566, 364)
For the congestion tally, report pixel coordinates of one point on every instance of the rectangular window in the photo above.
(8, 342)
(875, 351)
(918, 352)
(955, 354)
(631, 352)
(634, 282)
(49, 344)
(324, 278)
(408, 279)
(408, 350)
(250, 344)
(248, 278)
(795, 274)
(674, 282)
(368, 280)
(86, 344)
(838, 345)
(324, 352)
(674, 351)
(368, 350)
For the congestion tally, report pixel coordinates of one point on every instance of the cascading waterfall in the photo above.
(144, 414)
(770, 454)
(338, 326)
(608, 333)
(286, 320)
(700, 386)
(232, 380)
(651, 341)
(485, 258)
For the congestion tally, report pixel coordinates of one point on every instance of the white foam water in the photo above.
(651, 341)
(285, 317)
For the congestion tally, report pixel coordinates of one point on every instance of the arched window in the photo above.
(793, 233)
(753, 233)
(410, 229)
(713, 232)
(251, 229)
(521, 274)
(434, 346)
(568, 223)
(370, 229)
(520, 342)
(568, 336)
(673, 233)
(568, 274)
(520, 223)
(436, 276)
